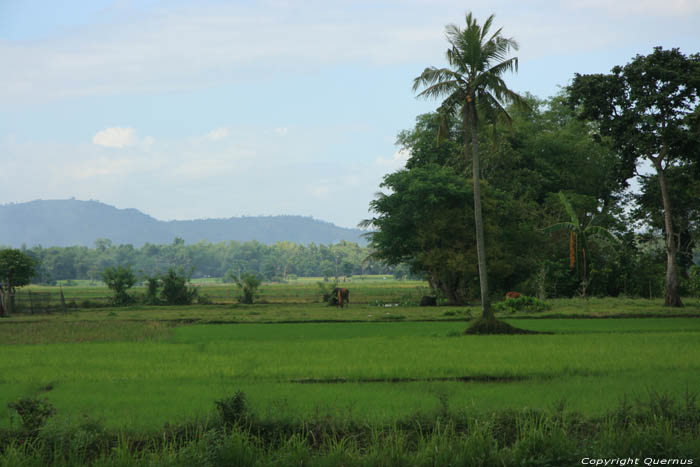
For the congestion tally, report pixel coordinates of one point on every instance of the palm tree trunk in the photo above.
(487, 313)
(673, 298)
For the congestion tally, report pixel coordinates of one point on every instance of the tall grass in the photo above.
(553, 437)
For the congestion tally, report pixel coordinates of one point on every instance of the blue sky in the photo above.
(216, 109)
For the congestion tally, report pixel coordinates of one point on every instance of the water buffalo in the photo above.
(341, 296)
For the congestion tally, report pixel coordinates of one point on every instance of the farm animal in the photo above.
(341, 296)
(427, 300)
(512, 295)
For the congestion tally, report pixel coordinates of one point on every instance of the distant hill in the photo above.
(73, 222)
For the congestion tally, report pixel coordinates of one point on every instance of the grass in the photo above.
(43, 332)
(655, 427)
(364, 289)
(375, 376)
(170, 374)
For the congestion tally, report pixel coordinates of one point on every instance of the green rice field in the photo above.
(142, 374)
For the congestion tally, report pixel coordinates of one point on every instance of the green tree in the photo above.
(424, 224)
(176, 290)
(16, 270)
(579, 237)
(474, 87)
(248, 286)
(684, 191)
(119, 279)
(649, 109)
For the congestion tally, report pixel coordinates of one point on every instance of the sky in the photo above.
(205, 109)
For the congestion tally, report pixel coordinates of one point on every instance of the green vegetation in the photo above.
(148, 390)
(119, 279)
(648, 110)
(16, 270)
(183, 369)
(279, 378)
(474, 89)
(248, 286)
(176, 290)
(655, 427)
(140, 381)
(579, 237)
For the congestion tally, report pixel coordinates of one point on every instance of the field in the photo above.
(139, 368)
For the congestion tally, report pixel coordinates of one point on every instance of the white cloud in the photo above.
(397, 161)
(115, 137)
(184, 48)
(217, 134)
(282, 131)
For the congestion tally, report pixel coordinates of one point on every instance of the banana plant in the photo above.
(579, 236)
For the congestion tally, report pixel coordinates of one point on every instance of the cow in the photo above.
(512, 295)
(341, 296)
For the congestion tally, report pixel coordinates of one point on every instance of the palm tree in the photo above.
(579, 236)
(473, 86)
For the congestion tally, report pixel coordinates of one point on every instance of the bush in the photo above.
(119, 279)
(33, 412)
(523, 303)
(694, 281)
(152, 286)
(233, 410)
(176, 290)
(248, 286)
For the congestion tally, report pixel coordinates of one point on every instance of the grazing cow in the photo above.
(427, 300)
(341, 296)
(512, 295)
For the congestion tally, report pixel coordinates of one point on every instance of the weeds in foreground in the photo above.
(658, 426)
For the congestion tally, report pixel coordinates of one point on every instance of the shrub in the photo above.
(152, 286)
(233, 410)
(33, 412)
(119, 279)
(694, 281)
(176, 290)
(247, 285)
(523, 303)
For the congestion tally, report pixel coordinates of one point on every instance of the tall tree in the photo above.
(473, 87)
(649, 108)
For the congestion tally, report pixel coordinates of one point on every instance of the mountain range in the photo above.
(74, 222)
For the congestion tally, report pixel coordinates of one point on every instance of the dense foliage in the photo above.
(424, 214)
(119, 279)
(649, 110)
(16, 270)
(270, 262)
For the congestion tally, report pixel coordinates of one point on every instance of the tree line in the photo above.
(276, 262)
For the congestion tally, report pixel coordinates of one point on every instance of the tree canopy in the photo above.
(649, 109)
(16, 270)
